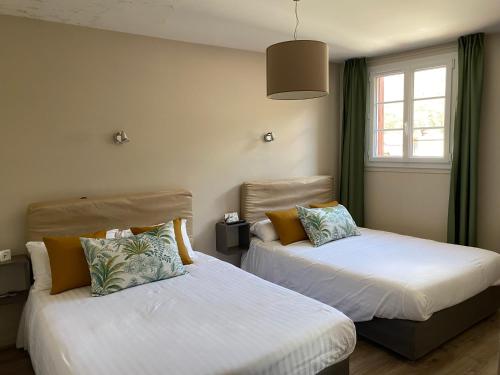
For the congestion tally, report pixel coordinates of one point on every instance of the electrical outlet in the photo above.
(5, 255)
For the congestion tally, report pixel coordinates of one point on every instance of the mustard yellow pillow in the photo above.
(68, 265)
(288, 225)
(324, 205)
(181, 246)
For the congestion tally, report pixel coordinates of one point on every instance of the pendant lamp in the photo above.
(297, 69)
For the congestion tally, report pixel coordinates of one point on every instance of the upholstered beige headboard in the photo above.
(257, 197)
(76, 216)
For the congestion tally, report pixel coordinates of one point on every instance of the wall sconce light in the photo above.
(120, 138)
(269, 137)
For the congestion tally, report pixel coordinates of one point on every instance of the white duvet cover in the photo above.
(377, 274)
(215, 320)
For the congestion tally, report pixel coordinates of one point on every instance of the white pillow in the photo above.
(185, 238)
(264, 229)
(40, 264)
(118, 233)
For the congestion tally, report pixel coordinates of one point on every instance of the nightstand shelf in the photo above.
(15, 282)
(15, 279)
(232, 238)
(14, 298)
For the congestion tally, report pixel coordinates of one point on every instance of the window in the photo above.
(410, 113)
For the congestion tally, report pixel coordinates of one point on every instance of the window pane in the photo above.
(428, 113)
(389, 143)
(429, 83)
(428, 142)
(390, 88)
(390, 116)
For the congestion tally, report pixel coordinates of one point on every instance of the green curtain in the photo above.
(353, 138)
(462, 206)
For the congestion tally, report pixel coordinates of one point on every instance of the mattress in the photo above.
(215, 320)
(377, 274)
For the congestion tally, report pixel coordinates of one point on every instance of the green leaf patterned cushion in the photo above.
(120, 263)
(327, 224)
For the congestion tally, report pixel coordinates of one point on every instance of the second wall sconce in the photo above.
(268, 137)
(120, 138)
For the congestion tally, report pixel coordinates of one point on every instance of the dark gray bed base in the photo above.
(414, 339)
(341, 368)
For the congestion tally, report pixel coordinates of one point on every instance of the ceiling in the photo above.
(352, 28)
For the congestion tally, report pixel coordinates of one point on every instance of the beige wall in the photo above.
(64, 90)
(407, 202)
(489, 150)
(195, 116)
(416, 203)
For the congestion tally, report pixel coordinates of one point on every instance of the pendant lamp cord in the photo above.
(296, 20)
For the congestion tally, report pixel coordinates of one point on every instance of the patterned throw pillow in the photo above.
(327, 224)
(120, 263)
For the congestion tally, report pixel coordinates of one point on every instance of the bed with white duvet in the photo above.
(377, 274)
(216, 319)
(407, 294)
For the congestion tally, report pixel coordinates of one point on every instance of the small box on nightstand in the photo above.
(232, 238)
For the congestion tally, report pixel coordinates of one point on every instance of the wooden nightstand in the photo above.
(232, 238)
(15, 277)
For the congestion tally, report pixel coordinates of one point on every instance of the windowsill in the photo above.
(413, 166)
(402, 167)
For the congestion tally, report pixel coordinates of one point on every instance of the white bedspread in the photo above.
(377, 274)
(215, 320)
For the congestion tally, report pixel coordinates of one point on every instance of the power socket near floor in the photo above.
(5, 255)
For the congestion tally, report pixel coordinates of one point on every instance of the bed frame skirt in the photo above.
(414, 339)
(340, 368)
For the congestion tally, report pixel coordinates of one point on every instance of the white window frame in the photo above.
(408, 67)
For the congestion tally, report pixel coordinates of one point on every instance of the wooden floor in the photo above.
(475, 352)
(14, 362)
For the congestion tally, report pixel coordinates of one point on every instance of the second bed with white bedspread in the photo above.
(377, 274)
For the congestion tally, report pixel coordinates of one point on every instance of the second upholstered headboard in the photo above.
(75, 216)
(258, 197)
